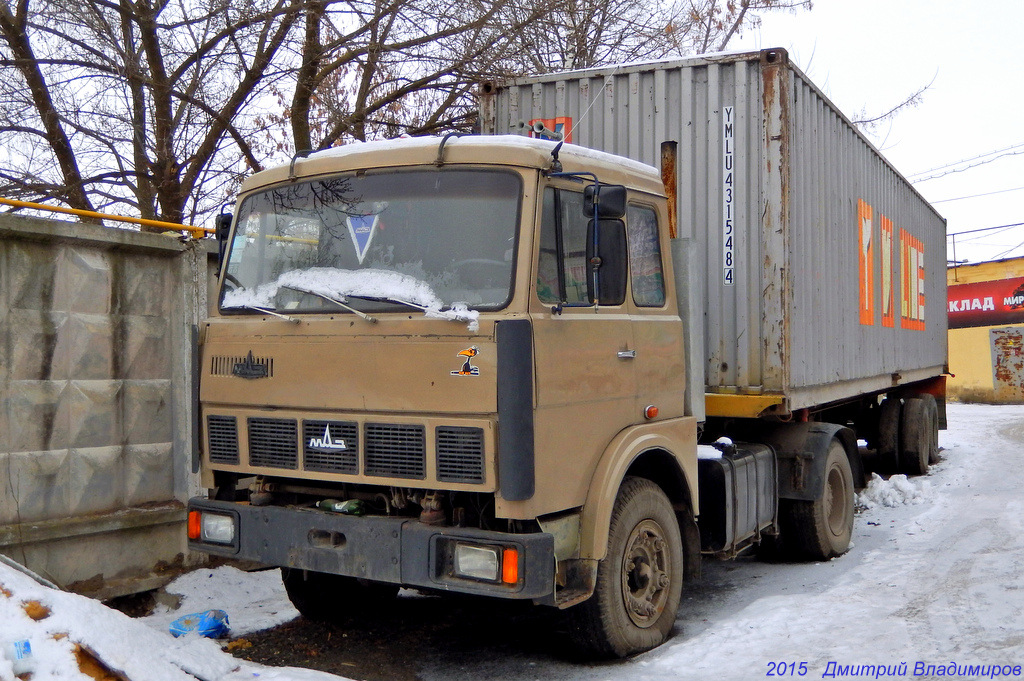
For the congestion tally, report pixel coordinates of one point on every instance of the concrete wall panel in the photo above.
(37, 485)
(97, 479)
(149, 473)
(95, 379)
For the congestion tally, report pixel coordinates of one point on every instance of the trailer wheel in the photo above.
(932, 409)
(919, 435)
(639, 582)
(888, 445)
(324, 597)
(822, 528)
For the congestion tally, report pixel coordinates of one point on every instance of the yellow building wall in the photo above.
(970, 349)
(985, 271)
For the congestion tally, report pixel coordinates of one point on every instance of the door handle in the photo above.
(627, 354)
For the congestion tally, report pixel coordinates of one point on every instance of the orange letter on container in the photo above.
(866, 257)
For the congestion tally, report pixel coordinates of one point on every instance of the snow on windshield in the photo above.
(368, 283)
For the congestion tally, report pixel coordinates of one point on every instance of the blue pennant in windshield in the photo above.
(362, 229)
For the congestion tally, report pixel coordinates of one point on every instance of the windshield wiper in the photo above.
(389, 299)
(331, 299)
(453, 313)
(264, 310)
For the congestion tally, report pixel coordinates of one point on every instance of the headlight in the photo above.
(486, 563)
(476, 562)
(215, 528)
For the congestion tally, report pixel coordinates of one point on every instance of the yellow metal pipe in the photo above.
(196, 232)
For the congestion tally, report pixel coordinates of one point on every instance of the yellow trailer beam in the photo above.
(739, 406)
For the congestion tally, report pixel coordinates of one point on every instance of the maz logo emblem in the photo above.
(326, 442)
(250, 367)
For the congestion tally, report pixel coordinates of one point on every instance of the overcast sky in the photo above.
(871, 54)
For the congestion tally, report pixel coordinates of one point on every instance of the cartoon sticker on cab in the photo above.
(467, 367)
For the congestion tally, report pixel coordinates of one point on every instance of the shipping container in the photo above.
(812, 265)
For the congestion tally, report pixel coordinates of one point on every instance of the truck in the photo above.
(529, 364)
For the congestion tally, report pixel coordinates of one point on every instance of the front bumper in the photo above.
(380, 548)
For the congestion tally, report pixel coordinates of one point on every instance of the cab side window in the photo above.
(647, 278)
(564, 207)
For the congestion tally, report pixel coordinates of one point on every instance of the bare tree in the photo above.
(158, 107)
(386, 67)
(579, 34)
(868, 123)
(129, 106)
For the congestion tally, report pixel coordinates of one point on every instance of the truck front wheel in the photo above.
(324, 597)
(640, 581)
(821, 529)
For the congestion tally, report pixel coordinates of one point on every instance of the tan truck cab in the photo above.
(454, 365)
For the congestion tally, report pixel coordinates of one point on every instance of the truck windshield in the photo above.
(437, 240)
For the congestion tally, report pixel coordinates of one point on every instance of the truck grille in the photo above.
(330, 446)
(273, 443)
(460, 454)
(223, 438)
(388, 450)
(395, 451)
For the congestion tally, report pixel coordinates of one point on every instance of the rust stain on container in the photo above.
(669, 179)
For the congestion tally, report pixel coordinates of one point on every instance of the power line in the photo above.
(985, 229)
(974, 196)
(1008, 251)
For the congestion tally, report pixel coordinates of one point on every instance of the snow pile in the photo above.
(59, 625)
(896, 491)
(708, 452)
(253, 600)
(489, 142)
(337, 283)
(715, 450)
(368, 283)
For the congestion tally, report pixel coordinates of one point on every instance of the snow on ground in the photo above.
(934, 577)
(253, 600)
(126, 645)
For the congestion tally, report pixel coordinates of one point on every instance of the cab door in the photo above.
(657, 329)
(585, 380)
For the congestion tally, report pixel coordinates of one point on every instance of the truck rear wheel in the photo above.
(932, 407)
(639, 582)
(822, 528)
(919, 435)
(324, 597)
(888, 445)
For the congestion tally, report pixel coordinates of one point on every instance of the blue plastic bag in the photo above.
(211, 624)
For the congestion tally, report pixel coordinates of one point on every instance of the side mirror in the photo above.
(222, 229)
(607, 272)
(610, 200)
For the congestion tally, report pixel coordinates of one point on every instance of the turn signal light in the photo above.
(510, 566)
(194, 524)
(651, 412)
